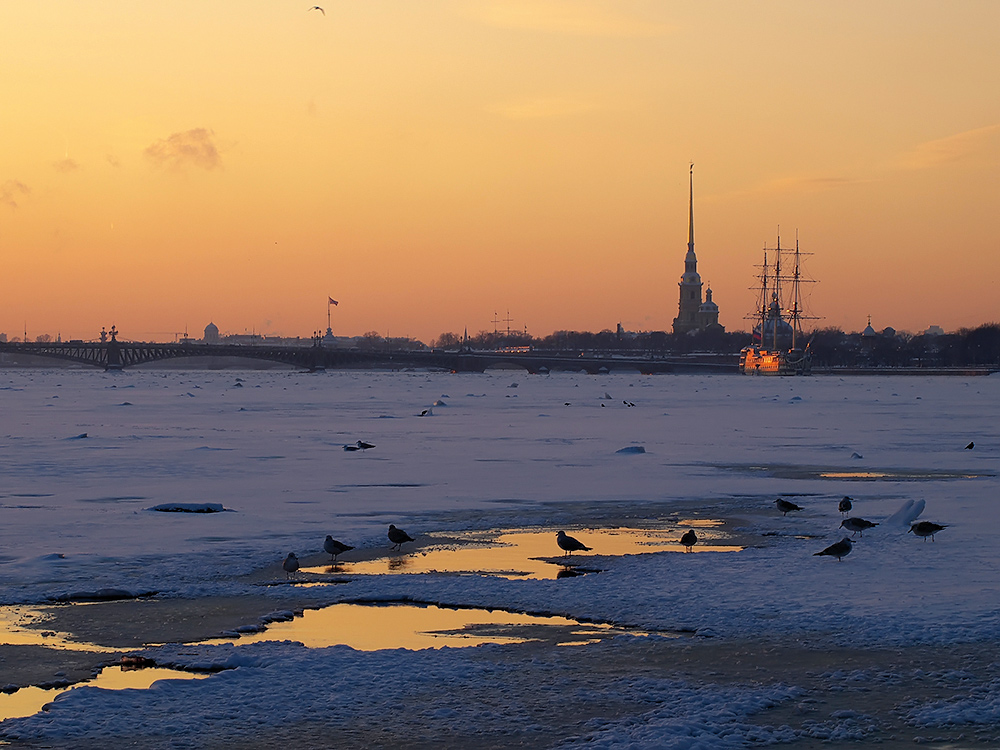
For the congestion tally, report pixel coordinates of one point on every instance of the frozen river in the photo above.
(86, 455)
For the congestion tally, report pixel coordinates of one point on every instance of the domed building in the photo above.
(211, 334)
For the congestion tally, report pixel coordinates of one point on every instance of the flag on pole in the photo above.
(332, 301)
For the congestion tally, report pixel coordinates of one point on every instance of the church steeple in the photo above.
(689, 302)
(691, 210)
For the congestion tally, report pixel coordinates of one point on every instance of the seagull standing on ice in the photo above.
(845, 505)
(334, 547)
(569, 544)
(927, 529)
(786, 507)
(362, 445)
(839, 549)
(689, 539)
(855, 525)
(398, 537)
(291, 564)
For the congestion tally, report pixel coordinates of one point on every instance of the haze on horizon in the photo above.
(429, 164)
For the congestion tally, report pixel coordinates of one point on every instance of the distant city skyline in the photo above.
(429, 165)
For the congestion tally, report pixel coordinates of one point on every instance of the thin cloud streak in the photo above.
(952, 148)
(562, 17)
(190, 147)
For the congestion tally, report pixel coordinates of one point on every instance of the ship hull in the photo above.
(757, 361)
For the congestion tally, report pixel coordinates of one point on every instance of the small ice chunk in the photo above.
(631, 449)
(189, 508)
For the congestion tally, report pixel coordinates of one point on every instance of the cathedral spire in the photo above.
(691, 215)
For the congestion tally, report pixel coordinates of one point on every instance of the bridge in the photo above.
(118, 355)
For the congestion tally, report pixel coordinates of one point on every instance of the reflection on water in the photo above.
(371, 627)
(30, 700)
(901, 475)
(15, 630)
(532, 554)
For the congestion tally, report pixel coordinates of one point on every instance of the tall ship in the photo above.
(777, 347)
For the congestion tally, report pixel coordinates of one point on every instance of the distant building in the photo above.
(211, 334)
(869, 331)
(692, 313)
(934, 331)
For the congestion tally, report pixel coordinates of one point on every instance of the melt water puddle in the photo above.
(870, 475)
(373, 627)
(28, 701)
(16, 630)
(532, 554)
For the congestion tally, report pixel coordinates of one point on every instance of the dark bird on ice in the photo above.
(786, 507)
(398, 537)
(689, 539)
(927, 529)
(362, 445)
(845, 505)
(291, 564)
(839, 549)
(569, 544)
(628, 403)
(855, 525)
(316, 7)
(970, 446)
(334, 547)
(351, 448)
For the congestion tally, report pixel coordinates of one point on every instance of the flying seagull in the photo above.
(334, 547)
(845, 505)
(839, 549)
(291, 564)
(569, 544)
(927, 529)
(689, 539)
(398, 537)
(316, 7)
(786, 507)
(855, 525)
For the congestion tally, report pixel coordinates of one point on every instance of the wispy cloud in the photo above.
(571, 17)
(806, 184)
(66, 165)
(953, 148)
(10, 191)
(541, 108)
(191, 147)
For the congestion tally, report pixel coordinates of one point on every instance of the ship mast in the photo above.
(776, 306)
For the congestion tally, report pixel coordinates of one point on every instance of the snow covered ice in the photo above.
(83, 476)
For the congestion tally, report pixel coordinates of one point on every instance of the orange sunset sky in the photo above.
(429, 163)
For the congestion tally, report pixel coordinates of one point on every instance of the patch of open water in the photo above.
(30, 700)
(531, 553)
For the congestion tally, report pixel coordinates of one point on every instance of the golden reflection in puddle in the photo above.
(896, 475)
(531, 554)
(854, 475)
(29, 700)
(368, 627)
(19, 627)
